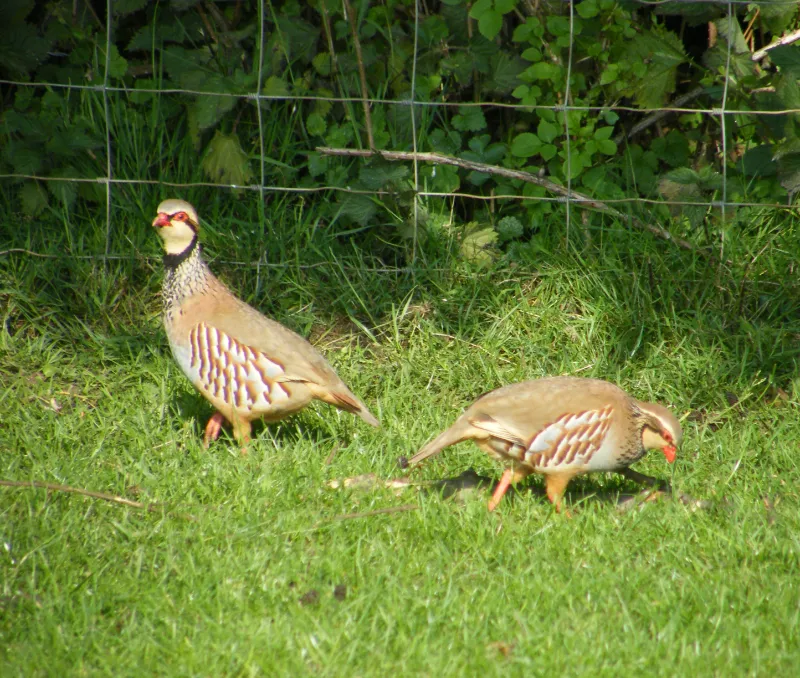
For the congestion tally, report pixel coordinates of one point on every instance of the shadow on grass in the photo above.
(470, 483)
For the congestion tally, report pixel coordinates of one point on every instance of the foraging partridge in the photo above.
(561, 427)
(247, 366)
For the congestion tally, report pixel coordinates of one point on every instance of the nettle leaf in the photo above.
(117, 64)
(360, 208)
(525, 145)
(509, 228)
(125, 7)
(317, 164)
(789, 172)
(322, 64)
(24, 159)
(64, 191)
(275, 87)
(758, 162)
(21, 49)
(505, 71)
(777, 16)
(316, 125)
(469, 119)
(33, 198)
(226, 161)
(207, 110)
(787, 58)
(662, 52)
(683, 175)
(445, 142)
(375, 178)
(476, 242)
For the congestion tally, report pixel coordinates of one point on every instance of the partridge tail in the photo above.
(459, 431)
(346, 401)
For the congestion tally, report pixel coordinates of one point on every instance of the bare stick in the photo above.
(351, 17)
(584, 200)
(787, 39)
(114, 499)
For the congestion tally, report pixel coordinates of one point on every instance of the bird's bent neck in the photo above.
(185, 274)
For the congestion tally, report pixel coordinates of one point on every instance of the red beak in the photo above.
(669, 452)
(161, 220)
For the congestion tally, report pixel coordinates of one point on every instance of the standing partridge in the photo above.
(246, 365)
(561, 427)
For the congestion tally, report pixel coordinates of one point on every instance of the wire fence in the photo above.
(567, 195)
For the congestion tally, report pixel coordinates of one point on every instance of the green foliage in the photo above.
(299, 90)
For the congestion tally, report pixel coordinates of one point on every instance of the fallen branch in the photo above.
(114, 499)
(584, 200)
(787, 39)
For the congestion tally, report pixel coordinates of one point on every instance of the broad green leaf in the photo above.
(575, 166)
(225, 161)
(490, 23)
(587, 9)
(505, 6)
(532, 54)
(548, 152)
(558, 25)
(525, 145)
(602, 133)
(544, 70)
(606, 146)
(547, 131)
(479, 7)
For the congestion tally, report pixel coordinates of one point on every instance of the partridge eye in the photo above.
(181, 216)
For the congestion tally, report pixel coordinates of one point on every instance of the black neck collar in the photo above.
(172, 261)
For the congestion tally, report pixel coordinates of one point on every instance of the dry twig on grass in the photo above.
(114, 499)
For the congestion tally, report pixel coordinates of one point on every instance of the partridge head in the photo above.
(247, 366)
(561, 427)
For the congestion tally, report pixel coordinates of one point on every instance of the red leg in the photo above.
(556, 483)
(213, 427)
(502, 486)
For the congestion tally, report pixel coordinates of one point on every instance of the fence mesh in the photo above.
(115, 178)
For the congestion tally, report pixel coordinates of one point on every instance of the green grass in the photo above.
(268, 580)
